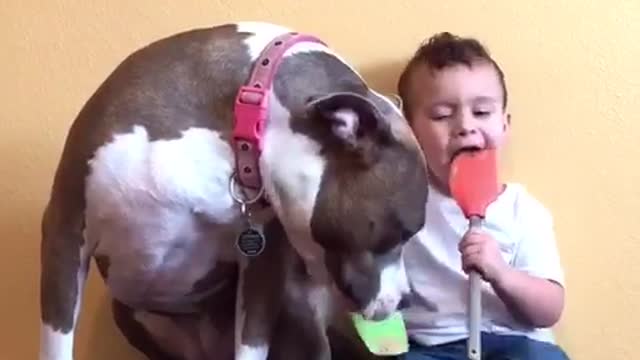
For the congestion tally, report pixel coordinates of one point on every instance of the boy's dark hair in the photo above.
(445, 49)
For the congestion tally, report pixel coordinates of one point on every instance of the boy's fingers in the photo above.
(471, 259)
(466, 241)
(474, 257)
(472, 263)
(473, 240)
(471, 249)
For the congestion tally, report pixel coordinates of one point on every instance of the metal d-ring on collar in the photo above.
(243, 201)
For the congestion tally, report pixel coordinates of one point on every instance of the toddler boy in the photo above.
(455, 97)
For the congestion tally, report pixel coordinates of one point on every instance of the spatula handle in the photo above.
(474, 350)
(475, 314)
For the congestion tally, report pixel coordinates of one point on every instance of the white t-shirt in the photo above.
(438, 313)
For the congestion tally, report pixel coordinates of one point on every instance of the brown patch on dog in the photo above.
(135, 333)
(60, 265)
(220, 306)
(186, 80)
(378, 183)
(300, 334)
(294, 91)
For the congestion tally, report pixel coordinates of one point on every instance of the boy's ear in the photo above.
(507, 122)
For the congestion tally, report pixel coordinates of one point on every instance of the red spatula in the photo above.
(473, 182)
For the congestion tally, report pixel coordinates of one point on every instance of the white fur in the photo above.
(54, 345)
(141, 199)
(192, 171)
(253, 352)
(297, 177)
(393, 285)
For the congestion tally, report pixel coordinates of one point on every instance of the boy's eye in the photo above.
(440, 114)
(438, 117)
(481, 113)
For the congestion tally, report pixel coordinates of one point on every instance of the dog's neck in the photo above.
(252, 108)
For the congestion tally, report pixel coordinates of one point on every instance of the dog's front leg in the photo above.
(260, 296)
(64, 269)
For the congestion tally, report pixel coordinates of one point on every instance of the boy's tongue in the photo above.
(470, 148)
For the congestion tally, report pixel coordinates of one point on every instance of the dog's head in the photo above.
(349, 176)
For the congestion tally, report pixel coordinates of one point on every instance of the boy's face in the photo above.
(453, 109)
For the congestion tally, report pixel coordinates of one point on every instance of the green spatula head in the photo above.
(386, 337)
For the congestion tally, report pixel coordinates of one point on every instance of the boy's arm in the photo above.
(524, 288)
(533, 288)
(535, 301)
(532, 285)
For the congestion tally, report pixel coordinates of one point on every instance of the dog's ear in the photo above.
(351, 118)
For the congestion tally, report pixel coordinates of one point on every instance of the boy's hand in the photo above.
(480, 252)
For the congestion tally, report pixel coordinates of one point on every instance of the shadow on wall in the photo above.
(103, 339)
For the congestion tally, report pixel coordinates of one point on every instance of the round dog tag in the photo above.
(251, 242)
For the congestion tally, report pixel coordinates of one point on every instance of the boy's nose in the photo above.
(466, 131)
(464, 126)
(463, 129)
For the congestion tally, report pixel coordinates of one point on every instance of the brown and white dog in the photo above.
(144, 186)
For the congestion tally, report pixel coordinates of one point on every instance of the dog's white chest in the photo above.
(192, 171)
(160, 212)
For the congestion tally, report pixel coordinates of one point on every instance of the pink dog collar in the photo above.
(252, 108)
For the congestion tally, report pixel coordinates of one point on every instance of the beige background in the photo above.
(574, 76)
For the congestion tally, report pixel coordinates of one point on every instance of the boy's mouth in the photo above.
(471, 148)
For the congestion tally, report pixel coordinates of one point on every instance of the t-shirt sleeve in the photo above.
(537, 252)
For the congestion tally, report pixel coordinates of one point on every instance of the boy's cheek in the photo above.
(432, 139)
(494, 135)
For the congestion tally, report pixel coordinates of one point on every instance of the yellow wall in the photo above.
(574, 75)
